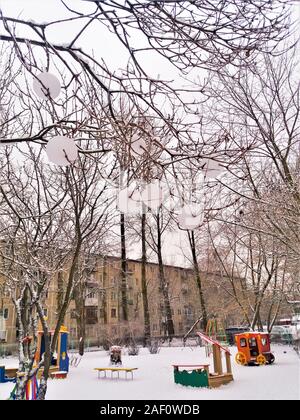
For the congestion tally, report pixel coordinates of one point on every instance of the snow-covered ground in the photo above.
(154, 378)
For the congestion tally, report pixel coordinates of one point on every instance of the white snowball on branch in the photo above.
(128, 200)
(46, 85)
(212, 168)
(61, 150)
(138, 147)
(190, 216)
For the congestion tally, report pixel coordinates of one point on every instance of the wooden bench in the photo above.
(112, 370)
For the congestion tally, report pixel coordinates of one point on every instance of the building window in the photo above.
(154, 327)
(113, 313)
(179, 311)
(4, 313)
(188, 310)
(91, 315)
(73, 314)
(113, 296)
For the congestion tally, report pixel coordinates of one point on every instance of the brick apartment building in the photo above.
(103, 302)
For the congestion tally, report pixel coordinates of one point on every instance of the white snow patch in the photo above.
(154, 378)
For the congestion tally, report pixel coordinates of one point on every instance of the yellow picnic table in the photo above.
(115, 369)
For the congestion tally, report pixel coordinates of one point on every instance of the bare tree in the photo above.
(69, 211)
(259, 112)
(185, 34)
(32, 216)
(254, 270)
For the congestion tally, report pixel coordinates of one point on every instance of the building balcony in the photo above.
(91, 301)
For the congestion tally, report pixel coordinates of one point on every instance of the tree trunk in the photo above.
(61, 316)
(198, 278)
(163, 283)
(123, 269)
(60, 291)
(147, 331)
(79, 295)
(81, 324)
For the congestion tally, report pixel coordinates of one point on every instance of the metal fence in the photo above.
(94, 344)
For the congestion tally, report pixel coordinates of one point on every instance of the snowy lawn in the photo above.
(154, 378)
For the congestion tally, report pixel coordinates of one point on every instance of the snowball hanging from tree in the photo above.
(190, 216)
(61, 150)
(46, 85)
(128, 200)
(138, 146)
(212, 168)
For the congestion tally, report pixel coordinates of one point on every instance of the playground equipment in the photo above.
(253, 349)
(4, 376)
(115, 370)
(60, 361)
(192, 375)
(215, 330)
(199, 375)
(115, 355)
(75, 359)
(31, 386)
(58, 374)
(115, 359)
(31, 390)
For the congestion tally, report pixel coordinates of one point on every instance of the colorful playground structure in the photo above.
(198, 375)
(60, 361)
(31, 386)
(253, 349)
(58, 370)
(4, 377)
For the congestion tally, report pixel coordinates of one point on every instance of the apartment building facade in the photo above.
(103, 312)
